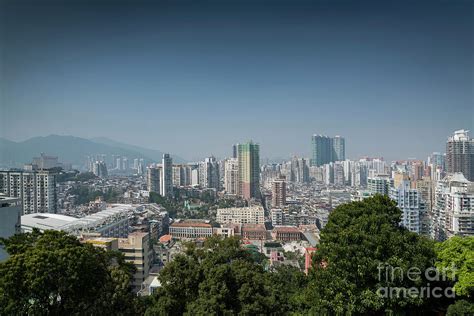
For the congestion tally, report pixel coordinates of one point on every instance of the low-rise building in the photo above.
(227, 230)
(190, 229)
(241, 215)
(111, 222)
(286, 233)
(254, 232)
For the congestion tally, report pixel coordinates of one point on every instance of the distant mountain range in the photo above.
(72, 150)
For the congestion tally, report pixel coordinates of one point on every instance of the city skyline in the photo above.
(308, 153)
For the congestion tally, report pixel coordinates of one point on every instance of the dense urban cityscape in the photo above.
(264, 157)
(148, 211)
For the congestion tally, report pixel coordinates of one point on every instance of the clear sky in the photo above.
(192, 78)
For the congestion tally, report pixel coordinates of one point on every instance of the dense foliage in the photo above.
(456, 259)
(222, 278)
(74, 175)
(203, 207)
(84, 194)
(361, 246)
(52, 273)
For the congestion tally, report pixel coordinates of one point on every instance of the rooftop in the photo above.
(253, 227)
(286, 229)
(190, 224)
(165, 238)
(44, 221)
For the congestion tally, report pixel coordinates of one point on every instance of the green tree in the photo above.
(456, 260)
(359, 249)
(461, 308)
(169, 204)
(85, 176)
(219, 278)
(52, 273)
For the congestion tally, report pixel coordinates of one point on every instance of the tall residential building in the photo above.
(359, 174)
(453, 208)
(321, 150)
(235, 150)
(35, 188)
(153, 179)
(299, 170)
(278, 193)
(167, 176)
(118, 163)
(209, 173)
(338, 148)
(178, 176)
(125, 165)
(380, 184)
(141, 166)
(326, 149)
(231, 176)
(426, 187)
(99, 168)
(460, 154)
(338, 174)
(249, 170)
(412, 206)
(10, 214)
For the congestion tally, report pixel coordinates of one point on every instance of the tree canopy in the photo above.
(456, 259)
(222, 278)
(363, 253)
(52, 273)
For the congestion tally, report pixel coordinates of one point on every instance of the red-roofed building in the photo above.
(165, 239)
(254, 232)
(286, 233)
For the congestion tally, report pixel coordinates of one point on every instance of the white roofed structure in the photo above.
(111, 222)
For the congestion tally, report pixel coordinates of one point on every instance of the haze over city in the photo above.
(193, 78)
(252, 157)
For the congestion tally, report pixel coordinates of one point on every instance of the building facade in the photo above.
(35, 188)
(209, 173)
(153, 179)
(137, 251)
(460, 154)
(241, 215)
(278, 193)
(99, 168)
(231, 176)
(380, 184)
(338, 148)
(167, 176)
(454, 207)
(327, 149)
(412, 206)
(190, 230)
(10, 223)
(249, 170)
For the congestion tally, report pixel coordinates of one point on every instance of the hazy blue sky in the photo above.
(191, 78)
